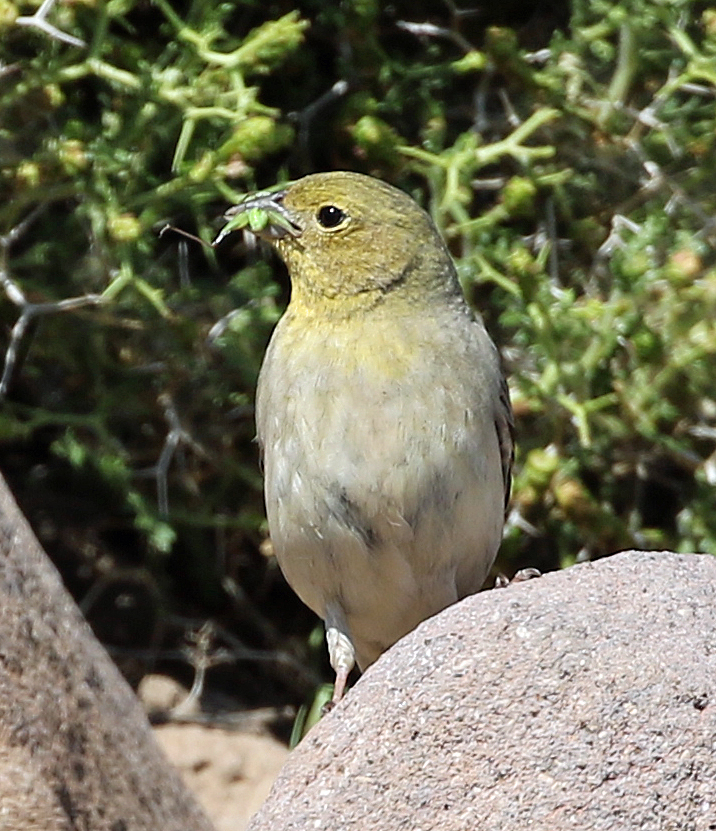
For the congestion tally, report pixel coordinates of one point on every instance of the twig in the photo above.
(553, 253)
(39, 21)
(28, 311)
(429, 30)
(510, 113)
(176, 437)
(306, 117)
(201, 656)
(614, 241)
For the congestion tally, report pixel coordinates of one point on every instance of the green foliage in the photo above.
(573, 179)
(110, 142)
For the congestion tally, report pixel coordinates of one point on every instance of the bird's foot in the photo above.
(522, 575)
(342, 654)
(339, 688)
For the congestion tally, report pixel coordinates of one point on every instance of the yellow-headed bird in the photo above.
(383, 416)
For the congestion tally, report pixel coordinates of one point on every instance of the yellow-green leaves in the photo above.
(256, 137)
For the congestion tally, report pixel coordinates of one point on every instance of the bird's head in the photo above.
(347, 235)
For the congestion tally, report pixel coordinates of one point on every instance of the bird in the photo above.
(383, 415)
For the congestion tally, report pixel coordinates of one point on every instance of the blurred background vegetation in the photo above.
(566, 151)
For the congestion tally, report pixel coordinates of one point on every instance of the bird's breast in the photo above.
(375, 416)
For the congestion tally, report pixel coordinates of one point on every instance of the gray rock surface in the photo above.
(76, 750)
(585, 699)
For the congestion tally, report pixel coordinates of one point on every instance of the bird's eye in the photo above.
(329, 216)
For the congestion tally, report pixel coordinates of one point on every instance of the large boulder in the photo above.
(76, 750)
(585, 699)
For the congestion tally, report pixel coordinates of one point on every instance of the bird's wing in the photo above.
(505, 426)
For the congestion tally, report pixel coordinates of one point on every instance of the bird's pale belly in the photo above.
(382, 512)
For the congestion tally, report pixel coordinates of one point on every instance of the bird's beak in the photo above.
(265, 215)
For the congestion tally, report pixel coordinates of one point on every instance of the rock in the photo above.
(585, 699)
(76, 750)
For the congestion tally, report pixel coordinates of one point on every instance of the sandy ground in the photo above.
(230, 770)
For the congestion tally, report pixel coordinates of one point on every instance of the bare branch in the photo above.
(176, 438)
(39, 21)
(28, 311)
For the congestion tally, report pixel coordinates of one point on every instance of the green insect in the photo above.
(259, 211)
